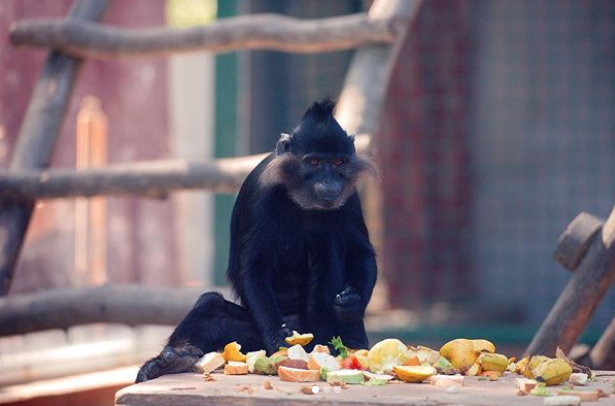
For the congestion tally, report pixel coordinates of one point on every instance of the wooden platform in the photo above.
(191, 389)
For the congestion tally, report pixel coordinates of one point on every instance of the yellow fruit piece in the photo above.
(493, 362)
(386, 354)
(460, 352)
(533, 363)
(521, 365)
(481, 345)
(425, 355)
(301, 339)
(414, 373)
(232, 352)
(552, 372)
(474, 370)
(413, 361)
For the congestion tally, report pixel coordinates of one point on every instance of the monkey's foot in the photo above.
(172, 360)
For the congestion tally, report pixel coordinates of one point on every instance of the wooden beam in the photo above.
(602, 356)
(37, 138)
(250, 32)
(153, 179)
(124, 304)
(576, 304)
(150, 179)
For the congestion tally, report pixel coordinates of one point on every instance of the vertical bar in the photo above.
(226, 123)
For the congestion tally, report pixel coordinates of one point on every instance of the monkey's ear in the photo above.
(283, 144)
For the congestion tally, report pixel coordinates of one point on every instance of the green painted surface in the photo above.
(225, 143)
(499, 334)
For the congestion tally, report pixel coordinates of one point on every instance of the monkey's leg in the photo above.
(210, 324)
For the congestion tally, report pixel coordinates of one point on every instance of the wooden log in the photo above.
(151, 179)
(124, 304)
(251, 32)
(602, 356)
(37, 138)
(574, 241)
(147, 178)
(574, 307)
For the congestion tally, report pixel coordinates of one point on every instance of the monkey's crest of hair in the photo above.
(319, 131)
(320, 109)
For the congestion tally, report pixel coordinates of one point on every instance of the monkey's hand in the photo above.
(277, 340)
(348, 306)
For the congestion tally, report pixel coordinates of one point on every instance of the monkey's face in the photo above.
(326, 184)
(317, 181)
(317, 163)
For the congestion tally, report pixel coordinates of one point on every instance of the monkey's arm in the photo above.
(360, 279)
(336, 308)
(258, 297)
(360, 270)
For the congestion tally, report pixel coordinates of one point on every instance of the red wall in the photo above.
(424, 158)
(133, 95)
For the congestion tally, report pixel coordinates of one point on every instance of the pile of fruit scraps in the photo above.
(391, 360)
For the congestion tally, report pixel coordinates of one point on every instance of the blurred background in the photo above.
(498, 129)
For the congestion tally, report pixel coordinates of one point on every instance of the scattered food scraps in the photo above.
(445, 381)
(209, 362)
(525, 384)
(391, 361)
(562, 401)
(585, 395)
(245, 389)
(307, 390)
(578, 378)
(299, 339)
(236, 368)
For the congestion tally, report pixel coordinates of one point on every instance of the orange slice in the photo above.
(232, 352)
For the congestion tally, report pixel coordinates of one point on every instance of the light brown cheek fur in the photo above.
(362, 167)
(281, 170)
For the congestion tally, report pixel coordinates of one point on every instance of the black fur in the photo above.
(300, 255)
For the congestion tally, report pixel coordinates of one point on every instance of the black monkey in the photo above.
(300, 255)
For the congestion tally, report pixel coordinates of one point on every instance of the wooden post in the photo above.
(575, 306)
(37, 138)
(602, 356)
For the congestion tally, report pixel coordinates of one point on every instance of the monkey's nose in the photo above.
(328, 191)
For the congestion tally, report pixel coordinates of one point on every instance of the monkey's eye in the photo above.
(314, 161)
(338, 162)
